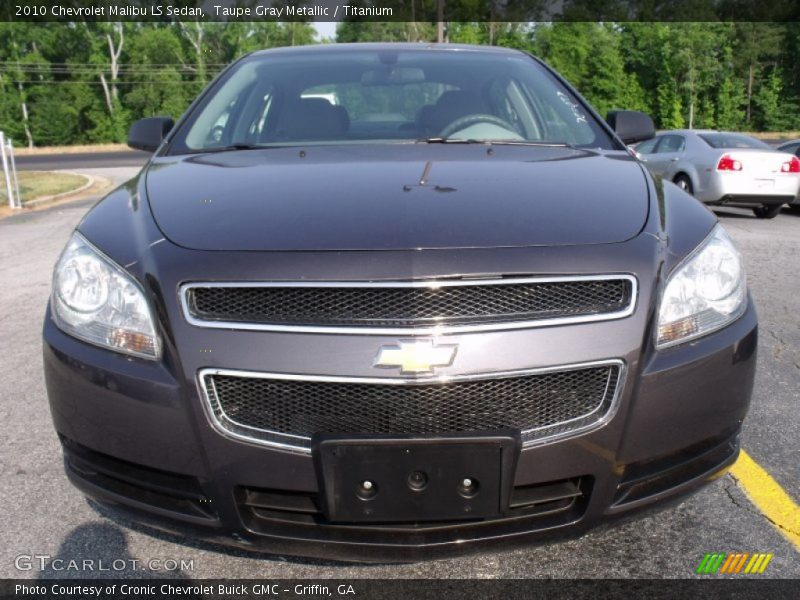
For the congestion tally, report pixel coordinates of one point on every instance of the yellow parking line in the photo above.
(769, 497)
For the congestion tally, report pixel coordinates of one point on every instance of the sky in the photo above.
(325, 29)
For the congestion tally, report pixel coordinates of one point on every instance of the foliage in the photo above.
(58, 85)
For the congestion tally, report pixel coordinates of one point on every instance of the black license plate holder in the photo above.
(344, 463)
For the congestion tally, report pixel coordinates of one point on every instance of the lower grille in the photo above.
(289, 409)
(268, 511)
(171, 494)
(703, 461)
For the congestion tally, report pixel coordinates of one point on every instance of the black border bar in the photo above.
(418, 589)
(400, 10)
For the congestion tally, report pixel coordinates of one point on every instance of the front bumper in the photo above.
(134, 435)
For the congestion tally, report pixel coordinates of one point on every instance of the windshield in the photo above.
(387, 96)
(734, 141)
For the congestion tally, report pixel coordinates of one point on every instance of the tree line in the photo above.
(81, 83)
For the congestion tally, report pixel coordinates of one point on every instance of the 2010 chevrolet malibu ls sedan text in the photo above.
(385, 302)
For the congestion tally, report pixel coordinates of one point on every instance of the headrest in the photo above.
(312, 119)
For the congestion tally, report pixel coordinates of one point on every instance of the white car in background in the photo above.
(792, 147)
(724, 168)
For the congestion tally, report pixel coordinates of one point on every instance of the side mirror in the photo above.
(147, 134)
(631, 125)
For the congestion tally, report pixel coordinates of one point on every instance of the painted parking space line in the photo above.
(768, 496)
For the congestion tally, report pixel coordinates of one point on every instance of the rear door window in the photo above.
(671, 143)
(648, 147)
(733, 141)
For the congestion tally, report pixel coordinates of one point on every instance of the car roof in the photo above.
(687, 131)
(327, 49)
(701, 131)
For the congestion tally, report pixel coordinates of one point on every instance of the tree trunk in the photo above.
(107, 94)
(749, 89)
(201, 61)
(440, 21)
(24, 107)
(412, 29)
(114, 53)
(23, 104)
(196, 42)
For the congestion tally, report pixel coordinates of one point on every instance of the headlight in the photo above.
(705, 293)
(97, 301)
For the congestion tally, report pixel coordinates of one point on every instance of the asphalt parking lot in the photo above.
(44, 515)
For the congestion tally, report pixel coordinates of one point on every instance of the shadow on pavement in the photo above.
(100, 550)
(730, 213)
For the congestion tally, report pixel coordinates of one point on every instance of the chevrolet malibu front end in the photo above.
(380, 302)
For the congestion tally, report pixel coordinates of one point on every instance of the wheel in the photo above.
(795, 208)
(683, 182)
(767, 212)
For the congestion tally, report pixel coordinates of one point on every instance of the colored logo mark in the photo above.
(733, 563)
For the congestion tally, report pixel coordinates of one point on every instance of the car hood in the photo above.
(396, 196)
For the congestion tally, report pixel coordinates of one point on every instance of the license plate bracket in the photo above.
(392, 465)
(763, 184)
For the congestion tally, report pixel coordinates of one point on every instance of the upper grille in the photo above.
(290, 409)
(461, 304)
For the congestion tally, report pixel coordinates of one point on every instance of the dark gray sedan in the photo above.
(380, 302)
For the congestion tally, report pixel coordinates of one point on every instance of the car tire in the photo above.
(683, 182)
(795, 208)
(767, 212)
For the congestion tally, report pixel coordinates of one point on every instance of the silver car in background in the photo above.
(725, 168)
(792, 147)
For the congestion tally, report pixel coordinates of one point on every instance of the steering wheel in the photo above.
(216, 134)
(464, 122)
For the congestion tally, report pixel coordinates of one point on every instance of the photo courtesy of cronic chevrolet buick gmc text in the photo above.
(389, 302)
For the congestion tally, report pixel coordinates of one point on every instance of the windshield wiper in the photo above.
(444, 140)
(234, 147)
(527, 143)
(242, 146)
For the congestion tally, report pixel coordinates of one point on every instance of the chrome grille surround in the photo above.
(598, 416)
(430, 325)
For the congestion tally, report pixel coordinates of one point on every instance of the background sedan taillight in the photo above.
(726, 163)
(791, 166)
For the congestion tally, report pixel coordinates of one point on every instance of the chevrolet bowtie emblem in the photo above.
(418, 356)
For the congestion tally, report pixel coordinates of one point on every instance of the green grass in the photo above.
(774, 135)
(35, 184)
